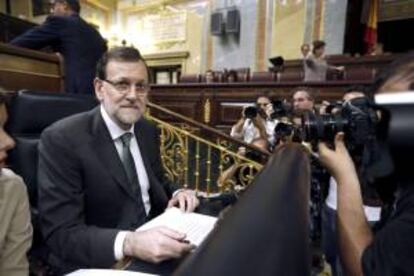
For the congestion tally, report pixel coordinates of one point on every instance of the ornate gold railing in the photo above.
(207, 162)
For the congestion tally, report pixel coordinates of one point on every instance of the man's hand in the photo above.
(156, 245)
(185, 199)
(354, 234)
(243, 117)
(337, 161)
(269, 110)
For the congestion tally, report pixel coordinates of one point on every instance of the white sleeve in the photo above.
(119, 245)
(239, 135)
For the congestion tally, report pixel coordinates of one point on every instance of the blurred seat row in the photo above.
(244, 75)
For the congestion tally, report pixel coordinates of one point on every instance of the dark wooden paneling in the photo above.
(27, 69)
(15, 81)
(10, 27)
(229, 114)
(187, 109)
(226, 99)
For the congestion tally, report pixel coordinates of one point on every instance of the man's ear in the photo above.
(98, 85)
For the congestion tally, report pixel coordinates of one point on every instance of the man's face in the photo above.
(305, 49)
(262, 103)
(6, 142)
(302, 101)
(124, 92)
(58, 8)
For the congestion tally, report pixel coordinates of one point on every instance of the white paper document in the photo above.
(106, 272)
(195, 226)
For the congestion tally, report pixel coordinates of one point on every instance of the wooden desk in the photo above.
(27, 69)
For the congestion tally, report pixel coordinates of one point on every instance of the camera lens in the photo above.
(283, 129)
(250, 112)
(322, 127)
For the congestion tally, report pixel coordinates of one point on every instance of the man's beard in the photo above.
(128, 118)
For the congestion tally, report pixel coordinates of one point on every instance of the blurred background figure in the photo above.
(15, 227)
(305, 49)
(209, 76)
(303, 100)
(77, 41)
(253, 122)
(315, 64)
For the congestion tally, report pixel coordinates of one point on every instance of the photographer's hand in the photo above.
(237, 129)
(337, 162)
(354, 234)
(259, 123)
(269, 110)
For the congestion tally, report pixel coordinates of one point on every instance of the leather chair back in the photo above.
(30, 112)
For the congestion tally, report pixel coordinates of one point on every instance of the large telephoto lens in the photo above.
(322, 127)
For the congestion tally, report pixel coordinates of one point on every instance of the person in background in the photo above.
(15, 226)
(303, 100)
(372, 211)
(209, 76)
(315, 64)
(77, 41)
(258, 126)
(232, 76)
(305, 49)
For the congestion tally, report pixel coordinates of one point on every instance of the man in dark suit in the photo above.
(79, 43)
(90, 200)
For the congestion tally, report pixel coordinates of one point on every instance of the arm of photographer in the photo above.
(354, 234)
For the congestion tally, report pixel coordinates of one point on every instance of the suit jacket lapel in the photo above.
(105, 148)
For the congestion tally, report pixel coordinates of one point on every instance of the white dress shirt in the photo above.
(371, 213)
(250, 132)
(116, 132)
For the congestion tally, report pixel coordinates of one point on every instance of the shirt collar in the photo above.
(114, 130)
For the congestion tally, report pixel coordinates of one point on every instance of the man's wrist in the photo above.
(346, 177)
(126, 244)
(176, 192)
(120, 244)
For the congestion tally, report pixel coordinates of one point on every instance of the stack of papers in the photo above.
(106, 272)
(195, 226)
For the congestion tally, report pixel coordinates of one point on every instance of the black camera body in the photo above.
(332, 106)
(250, 112)
(382, 144)
(396, 133)
(280, 109)
(284, 129)
(357, 118)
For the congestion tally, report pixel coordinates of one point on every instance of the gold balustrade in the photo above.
(209, 167)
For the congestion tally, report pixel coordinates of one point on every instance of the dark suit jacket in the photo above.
(79, 43)
(84, 198)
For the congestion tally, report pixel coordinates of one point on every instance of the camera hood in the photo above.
(398, 130)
